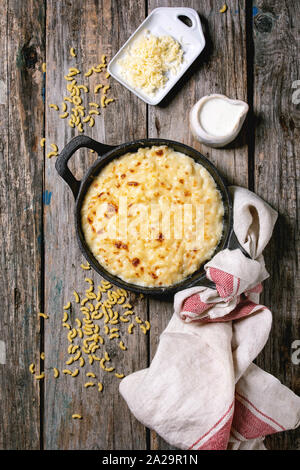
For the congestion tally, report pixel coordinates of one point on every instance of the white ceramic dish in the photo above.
(165, 21)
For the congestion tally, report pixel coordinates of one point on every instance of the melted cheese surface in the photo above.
(139, 216)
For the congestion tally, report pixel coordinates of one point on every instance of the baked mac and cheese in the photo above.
(152, 217)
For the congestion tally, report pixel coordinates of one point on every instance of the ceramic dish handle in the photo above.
(195, 27)
(78, 142)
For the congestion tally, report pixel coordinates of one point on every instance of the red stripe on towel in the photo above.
(218, 441)
(243, 309)
(224, 282)
(260, 412)
(248, 424)
(194, 304)
(211, 429)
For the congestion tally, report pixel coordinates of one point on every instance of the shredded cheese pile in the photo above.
(147, 61)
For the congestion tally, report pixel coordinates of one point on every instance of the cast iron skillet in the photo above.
(106, 153)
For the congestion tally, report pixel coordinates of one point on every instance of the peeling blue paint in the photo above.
(44, 91)
(255, 11)
(58, 287)
(67, 401)
(47, 197)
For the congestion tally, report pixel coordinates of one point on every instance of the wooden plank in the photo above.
(93, 29)
(276, 41)
(21, 118)
(100, 27)
(221, 68)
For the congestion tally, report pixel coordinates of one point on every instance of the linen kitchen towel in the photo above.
(202, 390)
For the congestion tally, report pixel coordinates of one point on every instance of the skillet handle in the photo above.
(233, 244)
(78, 142)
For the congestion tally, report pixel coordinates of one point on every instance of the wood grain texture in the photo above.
(93, 29)
(251, 54)
(21, 118)
(221, 68)
(276, 45)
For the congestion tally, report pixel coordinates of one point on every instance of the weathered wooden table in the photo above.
(251, 53)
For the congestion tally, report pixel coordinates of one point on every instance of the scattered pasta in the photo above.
(81, 361)
(77, 115)
(90, 374)
(103, 98)
(89, 384)
(52, 154)
(97, 88)
(41, 376)
(77, 299)
(64, 115)
(85, 343)
(43, 315)
(223, 9)
(86, 267)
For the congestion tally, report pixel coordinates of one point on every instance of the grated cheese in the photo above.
(148, 60)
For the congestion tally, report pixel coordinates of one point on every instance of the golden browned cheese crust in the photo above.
(154, 186)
